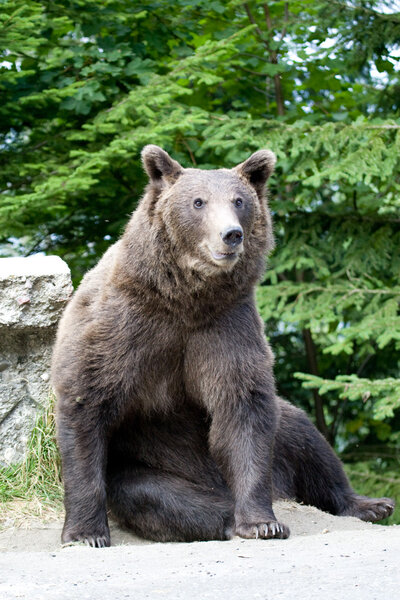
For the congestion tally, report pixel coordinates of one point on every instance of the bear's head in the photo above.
(212, 217)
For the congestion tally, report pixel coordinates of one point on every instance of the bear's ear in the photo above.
(159, 165)
(257, 169)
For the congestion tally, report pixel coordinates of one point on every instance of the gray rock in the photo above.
(33, 294)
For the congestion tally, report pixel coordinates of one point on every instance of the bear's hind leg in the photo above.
(165, 508)
(307, 469)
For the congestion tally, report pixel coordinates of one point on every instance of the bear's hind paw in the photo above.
(369, 509)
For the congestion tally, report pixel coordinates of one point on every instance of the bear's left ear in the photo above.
(257, 169)
(159, 165)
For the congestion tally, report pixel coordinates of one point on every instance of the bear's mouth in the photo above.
(223, 255)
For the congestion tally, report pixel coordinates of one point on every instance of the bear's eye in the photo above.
(238, 202)
(198, 203)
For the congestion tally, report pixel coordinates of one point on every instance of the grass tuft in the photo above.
(33, 488)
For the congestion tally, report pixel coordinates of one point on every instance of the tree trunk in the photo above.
(313, 368)
(280, 105)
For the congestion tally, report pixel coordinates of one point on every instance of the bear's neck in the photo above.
(148, 271)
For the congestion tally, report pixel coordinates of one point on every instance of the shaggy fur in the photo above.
(167, 411)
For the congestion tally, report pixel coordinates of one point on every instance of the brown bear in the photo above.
(167, 410)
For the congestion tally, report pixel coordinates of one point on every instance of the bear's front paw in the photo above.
(95, 539)
(267, 530)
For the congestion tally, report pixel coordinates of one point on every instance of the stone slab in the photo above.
(33, 291)
(33, 295)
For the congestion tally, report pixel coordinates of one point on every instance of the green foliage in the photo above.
(386, 392)
(86, 84)
(379, 400)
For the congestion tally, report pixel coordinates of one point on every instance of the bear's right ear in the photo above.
(159, 165)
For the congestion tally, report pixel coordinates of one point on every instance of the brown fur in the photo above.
(167, 409)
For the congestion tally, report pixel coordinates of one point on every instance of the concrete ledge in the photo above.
(342, 558)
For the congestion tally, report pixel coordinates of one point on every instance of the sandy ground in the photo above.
(326, 557)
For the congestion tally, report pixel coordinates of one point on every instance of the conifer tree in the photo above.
(85, 84)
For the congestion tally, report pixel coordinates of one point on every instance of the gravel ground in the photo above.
(326, 557)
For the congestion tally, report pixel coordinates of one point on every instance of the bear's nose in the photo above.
(232, 236)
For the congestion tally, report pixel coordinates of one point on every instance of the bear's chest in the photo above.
(156, 373)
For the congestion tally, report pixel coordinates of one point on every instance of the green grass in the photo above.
(36, 482)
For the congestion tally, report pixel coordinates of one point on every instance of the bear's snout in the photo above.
(233, 236)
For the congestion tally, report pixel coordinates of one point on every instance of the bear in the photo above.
(167, 412)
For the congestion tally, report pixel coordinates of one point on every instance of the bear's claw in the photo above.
(92, 541)
(267, 530)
